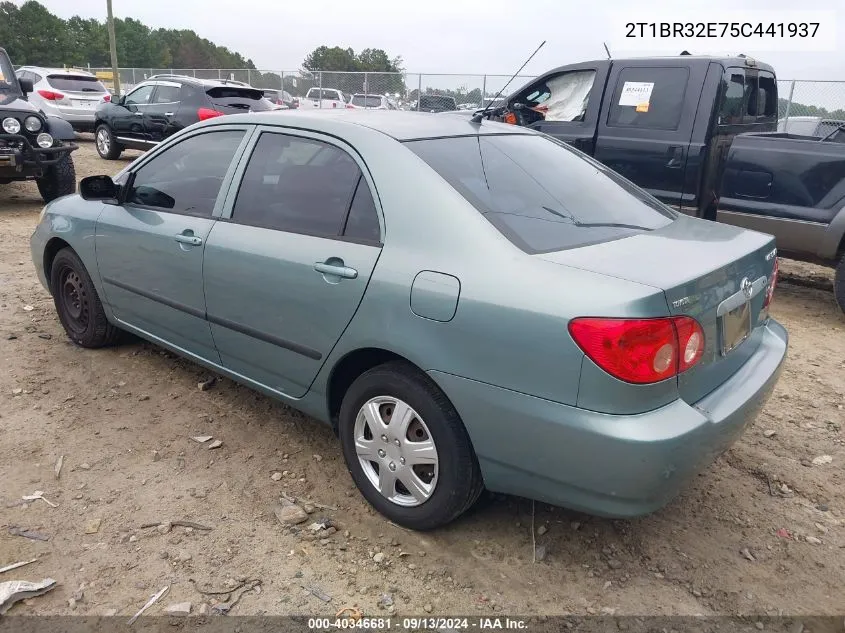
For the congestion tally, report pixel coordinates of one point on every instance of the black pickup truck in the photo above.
(792, 187)
(665, 123)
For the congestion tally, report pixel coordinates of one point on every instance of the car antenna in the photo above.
(478, 117)
(607, 50)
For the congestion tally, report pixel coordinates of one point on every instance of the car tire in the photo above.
(448, 482)
(839, 284)
(107, 145)
(77, 303)
(58, 179)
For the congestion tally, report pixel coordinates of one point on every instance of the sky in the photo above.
(478, 36)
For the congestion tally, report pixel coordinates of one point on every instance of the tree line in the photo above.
(34, 36)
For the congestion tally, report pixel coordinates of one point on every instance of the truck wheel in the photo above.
(839, 284)
(58, 180)
(107, 145)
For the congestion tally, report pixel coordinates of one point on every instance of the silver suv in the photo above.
(72, 95)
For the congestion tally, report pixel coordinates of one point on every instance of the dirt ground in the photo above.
(759, 533)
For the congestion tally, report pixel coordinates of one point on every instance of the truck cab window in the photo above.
(649, 98)
(767, 97)
(733, 97)
(563, 97)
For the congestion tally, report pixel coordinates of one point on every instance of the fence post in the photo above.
(219, 74)
(419, 91)
(366, 84)
(320, 84)
(249, 76)
(788, 105)
(133, 77)
(282, 81)
(195, 72)
(483, 91)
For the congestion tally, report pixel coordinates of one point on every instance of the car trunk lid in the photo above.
(702, 268)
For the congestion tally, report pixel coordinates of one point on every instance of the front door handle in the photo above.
(138, 113)
(169, 113)
(337, 270)
(188, 238)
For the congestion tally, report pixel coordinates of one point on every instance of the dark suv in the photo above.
(165, 104)
(33, 146)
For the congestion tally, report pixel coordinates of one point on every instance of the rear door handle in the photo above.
(338, 270)
(676, 159)
(169, 113)
(183, 238)
(138, 113)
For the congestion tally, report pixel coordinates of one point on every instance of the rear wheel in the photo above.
(77, 303)
(107, 145)
(839, 284)
(58, 180)
(406, 447)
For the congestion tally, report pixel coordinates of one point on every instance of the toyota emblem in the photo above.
(745, 286)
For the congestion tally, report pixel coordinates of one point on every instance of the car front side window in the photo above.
(140, 96)
(186, 178)
(297, 184)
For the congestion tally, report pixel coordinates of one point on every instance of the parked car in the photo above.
(792, 187)
(372, 102)
(33, 145)
(282, 98)
(809, 125)
(157, 108)
(72, 95)
(665, 123)
(435, 103)
(468, 306)
(323, 98)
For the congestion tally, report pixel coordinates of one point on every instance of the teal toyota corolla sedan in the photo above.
(468, 305)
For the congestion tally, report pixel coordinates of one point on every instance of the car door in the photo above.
(160, 111)
(287, 264)
(150, 246)
(570, 102)
(646, 125)
(128, 114)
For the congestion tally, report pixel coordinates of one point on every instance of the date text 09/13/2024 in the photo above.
(419, 623)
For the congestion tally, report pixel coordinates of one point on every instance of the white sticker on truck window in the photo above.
(635, 93)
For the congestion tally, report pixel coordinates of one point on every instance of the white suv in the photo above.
(72, 95)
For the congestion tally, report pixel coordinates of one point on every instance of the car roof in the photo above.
(400, 125)
(59, 71)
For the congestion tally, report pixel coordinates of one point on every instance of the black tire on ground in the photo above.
(839, 284)
(77, 303)
(58, 180)
(459, 481)
(106, 143)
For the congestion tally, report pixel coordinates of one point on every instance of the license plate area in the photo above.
(735, 326)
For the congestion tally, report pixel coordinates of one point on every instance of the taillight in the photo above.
(770, 291)
(51, 95)
(510, 118)
(207, 113)
(640, 351)
(349, 106)
(107, 98)
(334, 104)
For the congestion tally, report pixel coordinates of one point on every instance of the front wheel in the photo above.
(58, 180)
(107, 145)
(77, 303)
(406, 447)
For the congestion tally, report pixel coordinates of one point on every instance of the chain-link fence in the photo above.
(812, 108)
(802, 104)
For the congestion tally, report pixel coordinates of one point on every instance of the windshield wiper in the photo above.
(573, 220)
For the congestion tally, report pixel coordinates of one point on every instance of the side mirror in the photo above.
(98, 188)
(26, 85)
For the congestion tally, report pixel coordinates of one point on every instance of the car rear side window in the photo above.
(541, 194)
(362, 221)
(186, 178)
(74, 83)
(649, 98)
(297, 184)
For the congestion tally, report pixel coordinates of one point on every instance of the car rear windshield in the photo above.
(75, 83)
(366, 101)
(235, 97)
(443, 103)
(541, 194)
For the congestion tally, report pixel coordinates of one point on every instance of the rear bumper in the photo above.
(609, 465)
